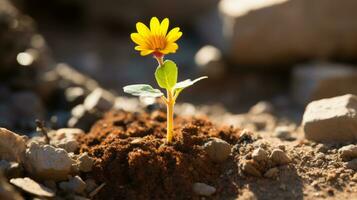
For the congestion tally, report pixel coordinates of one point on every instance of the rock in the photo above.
(32, 187)
(210, 62)
(91, 185)
(299, 35)
(272, 173)
(66, 138)
(261, 108)
(218, 150)
(47, 162)
(313, 81)
(85, 162)
(279, 157)
(283, 132)
(75, 95)
(348, 152)
(203, 189)
(331, 120)
(7, 192)
(250, 167)
(260, 155)
(75, 184)
(127, 104)
(99, 100)
(12, 146)
(352, 164)
(82, 118)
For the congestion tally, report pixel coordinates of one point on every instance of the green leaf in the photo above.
(166, 75)
(186, 83)
(142, 90)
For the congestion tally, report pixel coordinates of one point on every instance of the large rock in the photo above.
(331, 120)
(274, 32)
(315, 81)
(12, 146)
(47, 162)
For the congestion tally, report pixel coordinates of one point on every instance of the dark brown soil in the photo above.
(135, 163)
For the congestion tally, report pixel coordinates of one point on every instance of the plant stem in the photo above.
(170, 116)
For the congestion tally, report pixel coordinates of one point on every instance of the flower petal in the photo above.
(174, 35)
(146, 52)
(170, 48)
(164, 26)
(143, 30)
(155, 25)
(137, 38)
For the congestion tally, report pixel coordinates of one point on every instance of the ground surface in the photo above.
(134, 162)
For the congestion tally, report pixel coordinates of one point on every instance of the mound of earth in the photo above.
(135, 163)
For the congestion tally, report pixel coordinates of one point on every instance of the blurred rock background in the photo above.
(287, 52)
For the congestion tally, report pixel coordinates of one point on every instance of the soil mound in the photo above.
(135, 163)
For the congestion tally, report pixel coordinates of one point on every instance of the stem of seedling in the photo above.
(170, 104)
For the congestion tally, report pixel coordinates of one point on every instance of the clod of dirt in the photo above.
(352, 164)
(12, 146)
(279, 157)
(65, 138)
(283, 132)
(85, 162)
(7, 192)
(47, 162)
(348, 152)
(133, 161)
(272, 173)
(32, 187)
(260, 155)
(75, 184)
(250, 167)
(203, 189)
(217, 149)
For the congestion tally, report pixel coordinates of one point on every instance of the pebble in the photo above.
(260, 155)
(203, 189)
(12, 146)
(279, 157)
(331, 120)
(217, 149)
(261, 108)
(85, 162)
(47, 162)
(272, 173)
(32, 187)
(75, 184)
(348, 152)
(251, 168)
(283, 132)
(65, 138)
(7, 191)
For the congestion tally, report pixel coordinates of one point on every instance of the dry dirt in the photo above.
(134, 162)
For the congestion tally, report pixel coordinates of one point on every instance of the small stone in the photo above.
(75, 184)
(217, 149)
(261, 107)
(12, 146)
(348, 152)
(272, 173)
(251, 168)
(47, 162)
(283, 132)
(210, 62)
(279, 157)
(99, 100)
(203, 189)
(32, 187)
(66, 138)
(331, 120)
(85, 162)
(352, 164)
(260, 155)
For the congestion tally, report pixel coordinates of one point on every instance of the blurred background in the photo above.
(61, 59)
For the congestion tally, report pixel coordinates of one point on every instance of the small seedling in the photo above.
(158, 42)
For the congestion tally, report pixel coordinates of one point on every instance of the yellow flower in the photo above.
(156, 40)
